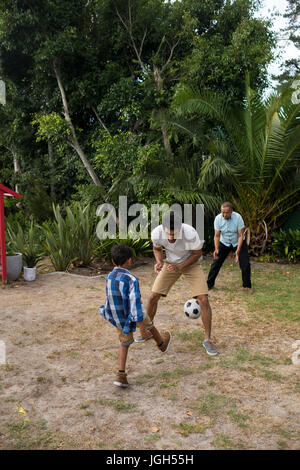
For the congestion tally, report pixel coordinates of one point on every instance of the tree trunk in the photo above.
(52, 170)
(100, 120)
(159, 85)
(17, 168)
(257, 238)
(73, 141)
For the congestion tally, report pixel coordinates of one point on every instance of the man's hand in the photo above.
(173, 268)
(158, 267)
(236, 259)
(216, 254)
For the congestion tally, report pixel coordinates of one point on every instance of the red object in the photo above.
(4, 191)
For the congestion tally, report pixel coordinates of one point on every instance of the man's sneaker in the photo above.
(209, 347)
(167, 340)
(121, 380)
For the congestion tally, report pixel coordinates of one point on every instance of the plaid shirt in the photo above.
(123, 307)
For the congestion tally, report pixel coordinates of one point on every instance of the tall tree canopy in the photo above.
(80, 73)
(292, 66)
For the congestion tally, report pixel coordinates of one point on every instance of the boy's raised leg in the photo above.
(151, 311)
(162, 340)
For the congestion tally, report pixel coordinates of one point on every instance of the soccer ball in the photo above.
(192, 308)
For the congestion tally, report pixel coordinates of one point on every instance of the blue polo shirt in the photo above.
(229, 228)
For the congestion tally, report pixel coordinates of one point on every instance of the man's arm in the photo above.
(158, 254)
(194, 256)
(240, 242)
(217, 242)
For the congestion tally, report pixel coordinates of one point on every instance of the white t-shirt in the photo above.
(188, 240)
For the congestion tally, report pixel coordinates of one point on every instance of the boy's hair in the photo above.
(172, 221)
(120, 254)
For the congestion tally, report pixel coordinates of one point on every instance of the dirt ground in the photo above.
(57, 392)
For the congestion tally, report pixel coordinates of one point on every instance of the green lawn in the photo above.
(276, 290)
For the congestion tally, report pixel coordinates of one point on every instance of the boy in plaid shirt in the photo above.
(124, 310)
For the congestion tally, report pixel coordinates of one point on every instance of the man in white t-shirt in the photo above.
(183, 249)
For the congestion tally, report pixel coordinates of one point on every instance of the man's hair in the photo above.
(120, 254)
(227, 204)
(172, 221)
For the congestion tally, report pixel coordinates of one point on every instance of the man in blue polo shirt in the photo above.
(229, 235)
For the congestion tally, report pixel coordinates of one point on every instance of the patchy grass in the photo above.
(164, 379)
(239, 418)
(118, 405)
(144, 378)
(211, 404)
(276, 290)
(225, 402)
(29, 435)
(186, 428)
(108, 445)
(223, 442)
(176, 373)
(245, 360)
(193, 338)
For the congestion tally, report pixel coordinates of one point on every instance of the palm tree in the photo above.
(253, 154)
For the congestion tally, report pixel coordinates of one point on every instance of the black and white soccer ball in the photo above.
(192, 308)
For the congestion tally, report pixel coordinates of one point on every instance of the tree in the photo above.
(292, 66)
(227, 41)
(198, 43)
(254, 155)
(113, 65)
(49, 39)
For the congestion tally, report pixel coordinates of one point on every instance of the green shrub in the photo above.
(71, 238)
(139, 246)
(287, 244)
(88, 194)
(28, 242)
(84, 226)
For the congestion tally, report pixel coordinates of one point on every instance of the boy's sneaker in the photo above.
(167, 340)
(121, 380)
(209, 347)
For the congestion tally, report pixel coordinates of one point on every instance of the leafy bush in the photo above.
(139, 246)
(88, 194)
(26, 242)
(71, 238)
(83, 221)
(287, 244)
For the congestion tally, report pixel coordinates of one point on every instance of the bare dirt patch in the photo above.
(57, 391)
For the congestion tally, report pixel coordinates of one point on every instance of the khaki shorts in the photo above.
(127, 340)
(193, 273)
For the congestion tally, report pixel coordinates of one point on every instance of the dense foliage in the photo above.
(90, 92)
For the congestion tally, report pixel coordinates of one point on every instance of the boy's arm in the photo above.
(135, 302)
